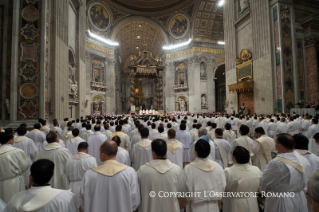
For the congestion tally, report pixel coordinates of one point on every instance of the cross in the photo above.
(71, 107)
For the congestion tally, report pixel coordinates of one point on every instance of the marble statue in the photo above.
(96, 106)
(202, 70)
(182, 78)
(73, 84)
(182, 105)
(244, 4)
(204, 101)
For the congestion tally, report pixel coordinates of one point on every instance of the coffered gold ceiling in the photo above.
(208, 21)
(142, 7)
(131, 37)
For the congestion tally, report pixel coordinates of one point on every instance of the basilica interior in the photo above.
(72, 58)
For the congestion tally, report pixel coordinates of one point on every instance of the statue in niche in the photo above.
(202, 70)
(182, 78)
(204, 101)
(182, 106)
(96, 75)
(73, 84)
(244, 4)
(96, 106)
(132, 60)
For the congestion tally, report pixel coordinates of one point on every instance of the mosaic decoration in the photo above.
(29, 31)
(28, 72)
(179, 25)
(28, 110)
(28, 91)
(29, 41)
(99, 16)
(30, 13)
(287, 57)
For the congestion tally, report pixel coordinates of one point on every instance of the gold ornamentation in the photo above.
(28, 91)
(244, 66)
(242, 86)
(99, 48)
(195, 49)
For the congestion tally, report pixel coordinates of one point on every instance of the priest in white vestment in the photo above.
(36, 135)
(67, 135)
(160, 174)
(107, 132)
(185, 138)
(161, 134)
(125, 139)
(305, 126)
(13, 163)
(95, 141)
(313, 129)
(211, 132)
(241, 177)
(286, 173)
(222, 149)
(272, 128)
(202, 134)
(313, 190)
(41, 197)
(175, 149)
(122, 155)
(142, 152)
(263, 146)
(27, 145)
(228, 134)
(194, 133)
(291, 126)
(281, 127)
(243, 140)
(72, 144)
(263, 124)
(86, 134)
(45, 128)
(59, 155)
(203, 175)
(153, 132)
(112, 186)
(76, 167)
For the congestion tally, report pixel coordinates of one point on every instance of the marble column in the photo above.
(169, 87)
(210, 86)
(110, 82)
(312, 70)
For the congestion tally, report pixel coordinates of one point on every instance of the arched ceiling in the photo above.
(131, 35)
(208, 21)
(149, 7)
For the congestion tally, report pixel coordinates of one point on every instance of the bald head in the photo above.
(109, 148)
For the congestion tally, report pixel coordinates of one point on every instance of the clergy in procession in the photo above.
(95, 141)
(202, 175)
(60, 141)
(56, 127)
(202, 134)
(185, 138)
(125, 139)
(272, 128)
(229, 135)
(59, 155)
(107, 131)
(142, 152)
(263, 123)
(194, 133)
(211, 132)
(44, 128)
(110, 187)
(313, 129)
(285, 173)
(153, 131)
(316, 141)
(72, 144)
(122, 155)
(263, 146)
(281, 127)
(305, 125)
(241, 177)
(175, 149)
(41, 197)
(135, 131)
(37, 136)
(222, 149)
(76, 167)
(28, 147)
(137, 137)
(67, 135)
(161, 134)
(160, 174)
(291, 126)
(313, 190)
(86, 134)
(243, 140)
(13, 163)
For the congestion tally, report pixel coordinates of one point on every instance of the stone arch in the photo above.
(220, 87)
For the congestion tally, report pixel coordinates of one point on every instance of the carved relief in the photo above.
(204, 103)
(29, 31)
(203, 70)
(244, 4)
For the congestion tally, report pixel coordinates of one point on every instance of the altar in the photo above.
(303, 111)
(149, 113)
